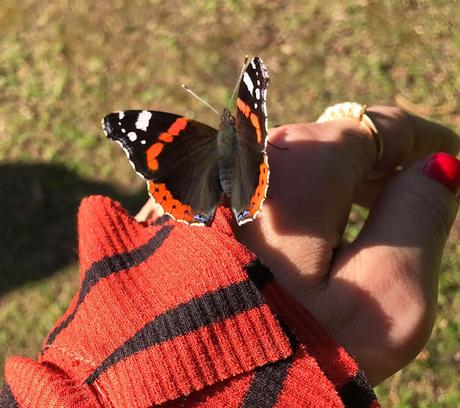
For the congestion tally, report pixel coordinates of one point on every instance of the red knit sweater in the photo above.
(180, 316)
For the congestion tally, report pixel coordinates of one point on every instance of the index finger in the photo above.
(407, 138)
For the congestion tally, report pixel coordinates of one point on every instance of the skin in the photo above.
(377, 295)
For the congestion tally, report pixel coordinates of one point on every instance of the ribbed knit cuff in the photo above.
(334, 361)
(31, 384)
(168, 303)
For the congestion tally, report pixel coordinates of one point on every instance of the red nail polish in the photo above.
(444, 168)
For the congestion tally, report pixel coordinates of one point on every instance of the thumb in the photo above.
(150, 210)
(417, 209)
(395, 260)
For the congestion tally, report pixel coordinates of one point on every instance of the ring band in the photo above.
(353, 110)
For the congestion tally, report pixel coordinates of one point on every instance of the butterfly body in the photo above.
(226, 148)
(189, 166)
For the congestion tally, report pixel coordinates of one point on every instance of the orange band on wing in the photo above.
(261, 190)
(255, 122)
(246, 111)
(152, 154)
(177, 126)
(166, 137)
(170, 205)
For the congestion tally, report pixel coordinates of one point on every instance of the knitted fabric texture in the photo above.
(180, 316)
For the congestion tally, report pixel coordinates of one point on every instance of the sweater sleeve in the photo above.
(173, 315)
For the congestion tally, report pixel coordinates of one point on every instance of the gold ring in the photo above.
(354, 110)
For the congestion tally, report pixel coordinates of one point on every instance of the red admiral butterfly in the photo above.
(189, 165)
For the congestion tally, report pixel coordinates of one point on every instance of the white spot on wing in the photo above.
(143, 141)
(123, 130)
(103, 127)
(253, 64)
(257, 93)
(121, 115)
(255, 105)
(247, 81)
(132, 136)
(143, 120)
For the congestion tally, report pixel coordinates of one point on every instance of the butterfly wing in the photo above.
(251, 167)
(176, 155)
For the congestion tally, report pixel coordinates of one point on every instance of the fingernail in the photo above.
(444, 168)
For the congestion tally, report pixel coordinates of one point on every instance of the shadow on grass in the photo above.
(38, 208)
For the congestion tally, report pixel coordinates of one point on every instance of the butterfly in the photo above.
(190, 166)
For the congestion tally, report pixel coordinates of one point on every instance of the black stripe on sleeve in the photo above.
(7, 399)
(185, 318)
(357, 393)
(109, 265)
(258, 273)
(261, 276)
(161, 220)
(267, 384)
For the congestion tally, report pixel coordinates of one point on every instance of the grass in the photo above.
(64, 65)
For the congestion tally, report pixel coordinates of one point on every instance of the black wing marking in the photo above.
(251, 168)
(178, 155)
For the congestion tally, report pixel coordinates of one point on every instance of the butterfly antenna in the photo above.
(239, 78)
(200, 99)
(277, 147)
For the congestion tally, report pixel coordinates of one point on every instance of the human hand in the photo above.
(376, 296)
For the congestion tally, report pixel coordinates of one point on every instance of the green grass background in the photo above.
(65, 64)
